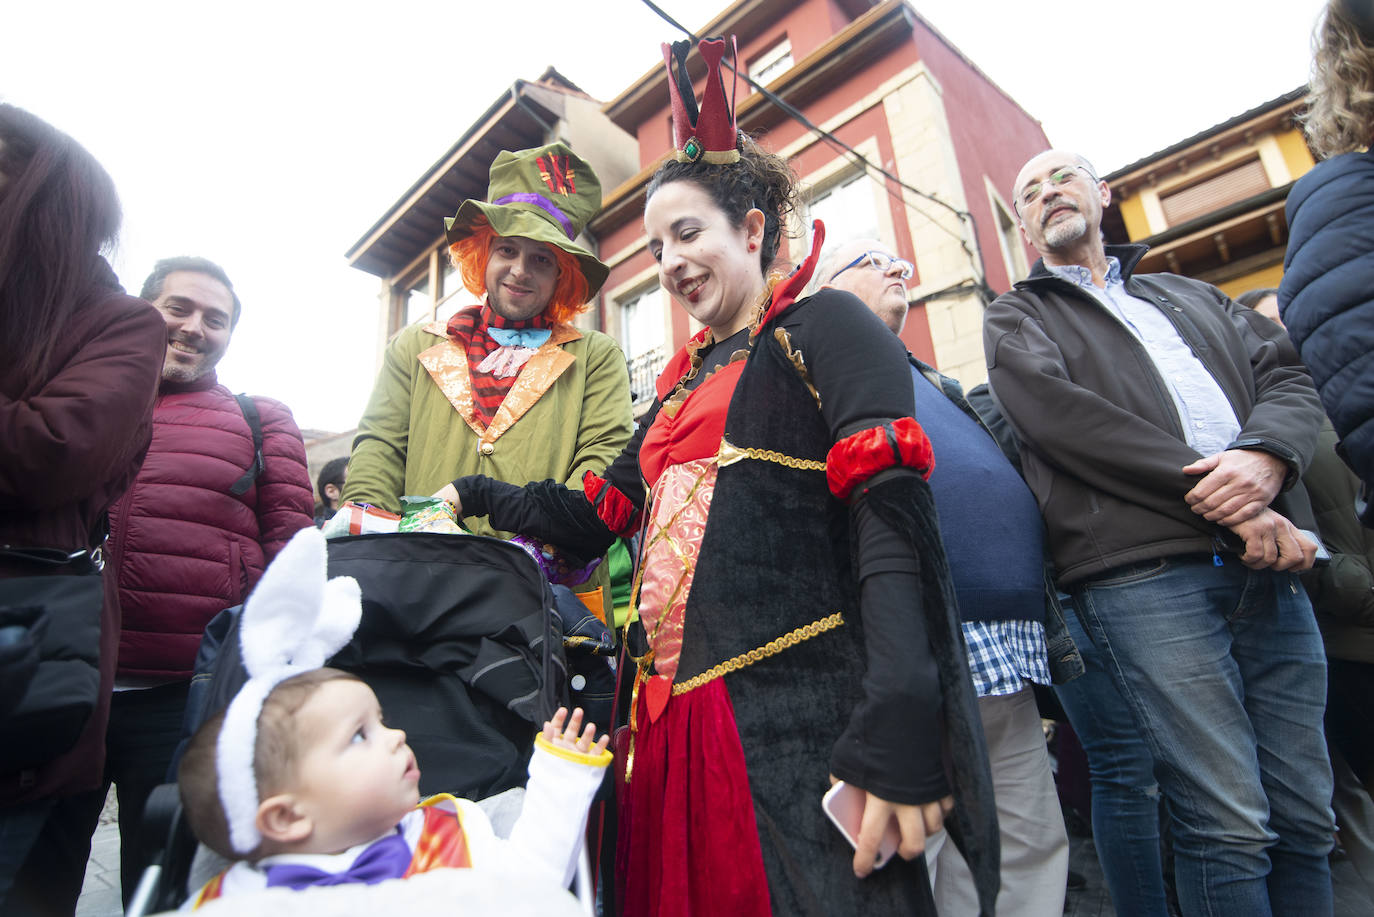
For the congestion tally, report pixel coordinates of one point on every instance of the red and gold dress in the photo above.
(785, 634)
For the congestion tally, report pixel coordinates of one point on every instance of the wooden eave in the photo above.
(552, 79)
(1256, 220)
(416, 221)
(1276, 114)
(848, 51)
(745, 18)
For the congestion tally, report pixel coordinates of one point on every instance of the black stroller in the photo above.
(461, 642)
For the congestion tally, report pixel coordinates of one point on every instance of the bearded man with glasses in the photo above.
(1164, 430)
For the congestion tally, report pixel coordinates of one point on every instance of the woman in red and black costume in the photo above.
(796, 619)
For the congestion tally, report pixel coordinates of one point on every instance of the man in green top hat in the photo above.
(508, 388)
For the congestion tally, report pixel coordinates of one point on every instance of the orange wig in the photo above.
(570, 292)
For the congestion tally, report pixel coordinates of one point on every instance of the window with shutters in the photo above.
(1013, 252)
(419, 302)
(847, 207)
(1237, 183)
(771, 64)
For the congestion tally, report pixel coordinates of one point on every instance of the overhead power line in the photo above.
(869, 167)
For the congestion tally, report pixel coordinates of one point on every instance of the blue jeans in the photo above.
(1125, 797)
(1224, 673)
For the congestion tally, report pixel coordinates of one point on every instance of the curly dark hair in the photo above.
(1340, 114)
(761, 179)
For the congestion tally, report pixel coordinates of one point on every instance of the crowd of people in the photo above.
(852, 579)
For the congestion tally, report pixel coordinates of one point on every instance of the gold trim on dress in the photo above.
(798, 362)
(758, 654)
(729, 454)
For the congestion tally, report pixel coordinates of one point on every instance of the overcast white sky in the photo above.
(269, 136)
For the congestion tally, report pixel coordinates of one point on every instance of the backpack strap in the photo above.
(250, 414)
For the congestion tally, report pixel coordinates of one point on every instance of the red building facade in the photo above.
(884, 82)
(875, 75)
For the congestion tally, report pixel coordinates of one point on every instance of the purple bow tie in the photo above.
(388, 858)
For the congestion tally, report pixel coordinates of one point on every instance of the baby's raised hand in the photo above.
(558, 736)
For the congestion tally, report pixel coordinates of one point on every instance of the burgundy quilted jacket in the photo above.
(69, 446)
(184, 546)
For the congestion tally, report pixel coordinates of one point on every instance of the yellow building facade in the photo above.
(1211, 206)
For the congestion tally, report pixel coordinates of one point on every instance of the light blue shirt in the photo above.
(1209, 421)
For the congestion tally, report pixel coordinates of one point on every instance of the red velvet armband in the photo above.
(859, 457)
(612, 507)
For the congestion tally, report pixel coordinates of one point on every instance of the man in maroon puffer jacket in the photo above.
(184, 545)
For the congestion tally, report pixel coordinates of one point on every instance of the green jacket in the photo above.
(1342, 592)
(568, 413)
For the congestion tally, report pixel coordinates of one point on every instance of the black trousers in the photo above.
(1349, 696)
(145, 727)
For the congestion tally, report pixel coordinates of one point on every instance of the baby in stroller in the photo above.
(301, 782)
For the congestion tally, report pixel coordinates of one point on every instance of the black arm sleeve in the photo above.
(546, 510)
(552, 512)
(892, 745)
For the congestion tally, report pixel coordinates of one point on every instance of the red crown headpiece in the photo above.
(710, 134)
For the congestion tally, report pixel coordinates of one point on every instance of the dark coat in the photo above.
(69, 446)
(185, 548)
(1102, 445)
(1326, 298)
(839, 678)
(1342, 591)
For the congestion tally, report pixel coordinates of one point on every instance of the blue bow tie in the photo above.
(388, 858)
(532, 338)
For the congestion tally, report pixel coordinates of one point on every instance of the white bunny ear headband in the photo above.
(295, 619)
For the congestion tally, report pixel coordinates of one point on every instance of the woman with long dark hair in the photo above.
(796, 622)
(79, 365)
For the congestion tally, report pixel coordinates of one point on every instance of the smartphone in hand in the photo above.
(844, 805)
(1323, 555)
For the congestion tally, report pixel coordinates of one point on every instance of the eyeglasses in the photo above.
(883, 262)
(1059, 177)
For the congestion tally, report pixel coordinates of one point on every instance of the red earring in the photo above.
(752, 246)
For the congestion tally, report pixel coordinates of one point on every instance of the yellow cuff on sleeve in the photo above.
(577, 757)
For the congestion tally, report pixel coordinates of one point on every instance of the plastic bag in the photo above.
(360, 519)
(429, 514)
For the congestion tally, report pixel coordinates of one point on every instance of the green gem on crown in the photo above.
(693, 149)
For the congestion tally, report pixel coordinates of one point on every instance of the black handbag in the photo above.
(49, 653)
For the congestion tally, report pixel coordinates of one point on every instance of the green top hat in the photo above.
(547, 194)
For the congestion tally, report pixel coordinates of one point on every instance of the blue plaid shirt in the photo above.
(1004, 655)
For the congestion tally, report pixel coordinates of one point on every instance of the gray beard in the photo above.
(1066, 231)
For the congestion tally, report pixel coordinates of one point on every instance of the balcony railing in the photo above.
(644, 370)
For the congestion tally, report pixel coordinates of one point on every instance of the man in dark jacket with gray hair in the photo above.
(1163, 430)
